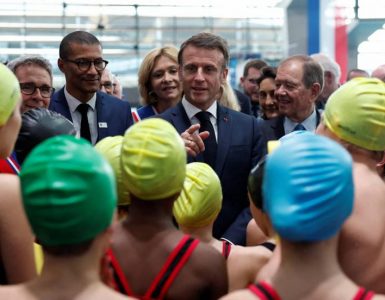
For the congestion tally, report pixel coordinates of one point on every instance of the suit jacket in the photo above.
(240, 147)
(110, 110)
(273, 129)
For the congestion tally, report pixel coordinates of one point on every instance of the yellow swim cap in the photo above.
(9, 93)
(201, 199)
(111, 148)
(153, 160)
(356, 113)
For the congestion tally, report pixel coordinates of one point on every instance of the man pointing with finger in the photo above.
(229, 141)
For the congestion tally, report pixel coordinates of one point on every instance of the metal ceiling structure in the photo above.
(129, 29)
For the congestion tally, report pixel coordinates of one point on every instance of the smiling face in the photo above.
(82, 84)
(295, 101)
(36, 75)
(164, 80)
(267, 99)
(202, 74)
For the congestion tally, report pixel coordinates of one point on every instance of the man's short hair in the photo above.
(312, 70)
(30, 60)
(208, 41)
(254, 63)
(77, 37)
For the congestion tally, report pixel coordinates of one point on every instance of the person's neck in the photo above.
(68, 275)
(308, 266)
(204, 233)
(82, 97)
(156, 214)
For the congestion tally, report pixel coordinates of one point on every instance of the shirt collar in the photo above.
(73, 103)
(310, 123)
(192, 110)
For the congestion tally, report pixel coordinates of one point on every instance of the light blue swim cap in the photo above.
(308, 188)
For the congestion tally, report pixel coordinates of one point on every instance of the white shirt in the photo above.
(73, 103)
(192, 110)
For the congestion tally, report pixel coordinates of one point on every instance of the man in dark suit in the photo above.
(231, 142)
(299, 82)
(95, 114)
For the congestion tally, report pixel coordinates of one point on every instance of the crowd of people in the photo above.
(205, 192)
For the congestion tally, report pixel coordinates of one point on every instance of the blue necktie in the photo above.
(210, 153)
(299, 126)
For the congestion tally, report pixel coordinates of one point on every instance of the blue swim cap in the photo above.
(308, 188)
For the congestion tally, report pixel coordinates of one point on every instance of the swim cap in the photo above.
(39, 124)
(308, 188)
(68, 190)
(111, 148)
(201, 199)
(153, 160)
(356, 113)
(9, 93)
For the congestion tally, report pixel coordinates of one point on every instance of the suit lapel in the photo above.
(62, 105)
(225, 124)
(180, 119)
(101, 116)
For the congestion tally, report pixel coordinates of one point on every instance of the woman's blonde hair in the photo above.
(228, 98)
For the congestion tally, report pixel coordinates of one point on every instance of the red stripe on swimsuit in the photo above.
(264, 291)
(162, 282)
(226, 249)
(363, 294)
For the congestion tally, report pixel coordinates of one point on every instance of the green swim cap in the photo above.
(153, 160)
(356, 113)
(201, 199)
(9, 93)
(69, 191)
(111, 148)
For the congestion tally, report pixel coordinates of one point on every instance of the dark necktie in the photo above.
(299, 126)
(84, 126)
(210, 153)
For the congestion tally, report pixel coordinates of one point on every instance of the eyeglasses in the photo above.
(253, 81)
(107, 85)
(30, 88)
(85, 65)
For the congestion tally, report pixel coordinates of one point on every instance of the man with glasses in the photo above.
(95, 115)
(106, 83)
(251, 73)
(34, 73)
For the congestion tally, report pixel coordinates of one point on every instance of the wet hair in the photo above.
(254, 183)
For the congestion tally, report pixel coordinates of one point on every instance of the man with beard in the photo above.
(299, 82)
(95, 114)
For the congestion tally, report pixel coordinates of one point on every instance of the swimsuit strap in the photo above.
(264, 291)
(175, 262)
(226, 249)
(363, 294)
